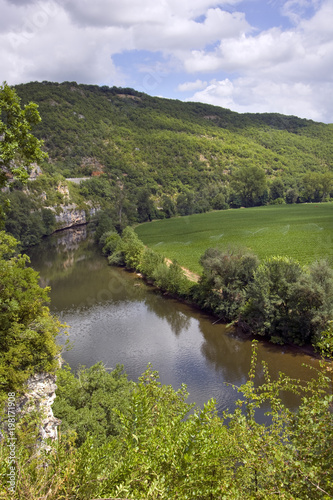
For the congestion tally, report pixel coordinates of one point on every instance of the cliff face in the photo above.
(40, 395)
(71, 215)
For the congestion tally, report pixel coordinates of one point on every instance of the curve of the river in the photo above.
(114, 317)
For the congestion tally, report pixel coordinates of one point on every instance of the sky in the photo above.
(248, 56)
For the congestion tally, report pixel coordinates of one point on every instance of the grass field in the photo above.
(304, 232)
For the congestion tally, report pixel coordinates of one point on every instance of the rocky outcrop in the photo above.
(71, 215)
(40, 395)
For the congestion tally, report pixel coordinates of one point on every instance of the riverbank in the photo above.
(269, 299)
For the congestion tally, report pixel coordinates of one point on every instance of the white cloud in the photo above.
(191, 86)
(251, 95)
(288, 71)
(49, 47)
(295, 10)
(76, 39)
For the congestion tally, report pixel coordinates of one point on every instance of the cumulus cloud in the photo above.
(251, 95)
(207, 44)
(287, 71)
(44, 45)
(191, 86)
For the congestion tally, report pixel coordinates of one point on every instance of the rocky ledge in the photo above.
(71, 215)
(40, 395)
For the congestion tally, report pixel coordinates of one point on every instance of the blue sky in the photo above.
(248, 56)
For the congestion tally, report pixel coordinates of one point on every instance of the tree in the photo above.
(150, 261)
(288, 303)
(168, 206)
(129, 250)
(165, 448)
(225, 276)
(249, 183)
(291, 195)
(145, 206)
(27, 330)
(276, 189)
(185, 202)
(88, 402)
(18, 147)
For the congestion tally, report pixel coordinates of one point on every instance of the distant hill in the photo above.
(152, 157)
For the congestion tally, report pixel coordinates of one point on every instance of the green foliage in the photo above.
(166, 449)
(27, 330)
(291, 456)
(287, 303)
(25, 221)
(324, 341)
(150, 261)
(249, 183)
(129, 251)
(145, 206)
(111, 240)
(88, 402)
(132, 248)
(149, 157)
(104, 225)
(222, 286)
(168, 206)
(170, 278)
(278, 299)
(277, 189)
(316, 186)
(18, 147)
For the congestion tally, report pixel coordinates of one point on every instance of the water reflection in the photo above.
(116, 318)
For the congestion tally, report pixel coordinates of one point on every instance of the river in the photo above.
(114, 317)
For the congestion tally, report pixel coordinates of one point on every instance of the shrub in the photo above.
(226, 274)
(288, 303)
(27, 329)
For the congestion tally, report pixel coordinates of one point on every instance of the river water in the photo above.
(114, 317)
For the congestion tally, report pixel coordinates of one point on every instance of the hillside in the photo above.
(89, 130)
(147, 157)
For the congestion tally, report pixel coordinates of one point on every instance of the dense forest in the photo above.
(147, 157)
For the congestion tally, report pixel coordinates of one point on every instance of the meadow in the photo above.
(301, 231)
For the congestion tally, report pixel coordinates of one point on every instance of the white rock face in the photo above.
(40, 394)
(71, 215)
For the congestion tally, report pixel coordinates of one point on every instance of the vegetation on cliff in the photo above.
(148, 157)
(27, 329)
(166, 449)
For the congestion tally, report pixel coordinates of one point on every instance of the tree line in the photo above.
(277, 298)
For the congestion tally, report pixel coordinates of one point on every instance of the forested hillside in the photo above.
(151, 157)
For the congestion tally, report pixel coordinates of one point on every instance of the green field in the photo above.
(304, 232)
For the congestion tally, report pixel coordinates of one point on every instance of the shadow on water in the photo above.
(115, 317)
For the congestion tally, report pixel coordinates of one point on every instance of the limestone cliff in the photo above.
(70, 215)
(40, 395)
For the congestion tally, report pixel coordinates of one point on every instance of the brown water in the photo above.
(115, 317)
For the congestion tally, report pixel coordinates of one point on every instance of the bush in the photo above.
(170, 278)
(104, 225)
(88, 402)
(110, 240)
(277, 201)
(288, 303)
(27, 330)
(149, 262)
(226, 274)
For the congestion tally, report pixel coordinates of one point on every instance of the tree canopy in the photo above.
(18, 147)
(27, 329)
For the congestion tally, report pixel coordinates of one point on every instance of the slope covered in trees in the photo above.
(151, 157)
